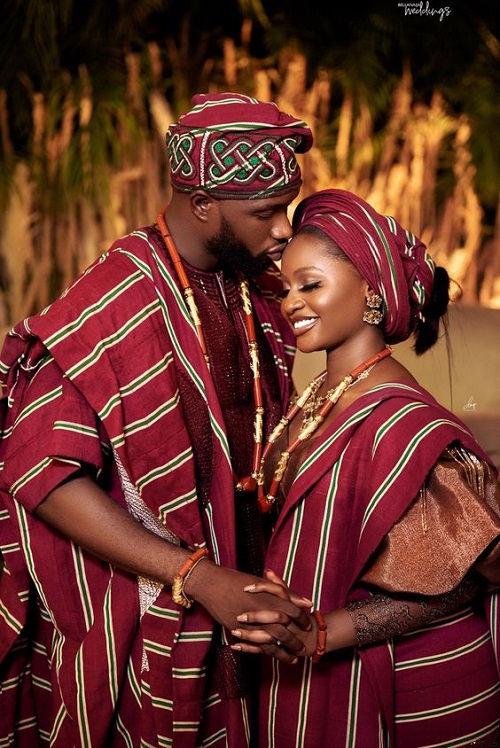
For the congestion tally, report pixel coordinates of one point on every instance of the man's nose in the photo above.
(282, 228)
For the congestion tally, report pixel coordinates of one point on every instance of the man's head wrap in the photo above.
(393, 261)
(235, 146)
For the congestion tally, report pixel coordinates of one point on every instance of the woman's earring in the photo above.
(373, 316)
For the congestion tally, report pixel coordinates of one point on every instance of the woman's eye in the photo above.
(283, 294)
(310, 286)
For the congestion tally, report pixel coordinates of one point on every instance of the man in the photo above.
(133, 414)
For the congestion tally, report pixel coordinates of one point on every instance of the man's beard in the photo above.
(233, 256)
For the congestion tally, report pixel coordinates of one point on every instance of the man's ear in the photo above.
(202, 205)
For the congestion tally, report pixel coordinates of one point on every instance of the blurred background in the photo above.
(403, 99)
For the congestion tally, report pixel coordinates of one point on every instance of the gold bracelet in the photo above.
(178, 594)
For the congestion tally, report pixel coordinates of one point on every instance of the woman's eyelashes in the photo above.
(310, 286)
(305, 287)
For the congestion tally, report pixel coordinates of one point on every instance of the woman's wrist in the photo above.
(321, 637)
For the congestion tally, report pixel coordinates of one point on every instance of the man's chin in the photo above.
(249, 267)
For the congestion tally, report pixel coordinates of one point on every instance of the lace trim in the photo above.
(149, 589)
(382, 617)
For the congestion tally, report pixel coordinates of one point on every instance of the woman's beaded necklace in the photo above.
(249, 482)
(315, 411)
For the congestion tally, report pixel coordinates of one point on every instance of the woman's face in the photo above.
(324, 297)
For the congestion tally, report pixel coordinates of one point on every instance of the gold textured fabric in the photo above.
(454, 524)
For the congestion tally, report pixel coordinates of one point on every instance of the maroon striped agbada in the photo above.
(92, 655)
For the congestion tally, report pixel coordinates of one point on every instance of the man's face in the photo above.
(233, 255)
(252, 233)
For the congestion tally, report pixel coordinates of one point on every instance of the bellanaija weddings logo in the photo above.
(425, 9)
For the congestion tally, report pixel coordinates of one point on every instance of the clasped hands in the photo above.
(272, 631)
(262, 614)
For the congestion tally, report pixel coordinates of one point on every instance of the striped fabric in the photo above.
(439, 686)
(80, 665)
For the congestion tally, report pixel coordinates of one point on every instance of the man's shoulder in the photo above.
(140, 242)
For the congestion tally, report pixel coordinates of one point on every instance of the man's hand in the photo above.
(265, 610)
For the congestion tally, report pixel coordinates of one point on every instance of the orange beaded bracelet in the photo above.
(321, 640)
(178, 594)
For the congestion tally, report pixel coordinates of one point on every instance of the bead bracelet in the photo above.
(321, 640)
(180, 579)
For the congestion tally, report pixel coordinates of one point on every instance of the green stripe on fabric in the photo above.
(467, 740)
(181, 726)
(26, 724)
(81, 704)
(273, 698)
(10, 548)
(319, 451)
(326, 525)
(178, 501)
(83, 588)
(168, 467)
(457, 706)
(208, 510)
(352, 712)
(387, 251)
(143, 266)
(305, 692)
(133, 682)
(23, 523)
(494, 623)
(213, 739)
(10, 683)
(42, 683)
(291, 556)
(164, 704)
(142, 424)
(160, 649)
(113, 339)
(122, 730)
(110, 645)
(164, 741)
(194, 636)
(10, 620)
(103, 302)
(145, 744)
(144, 378)
(171, 615)
(391, 422)
(400, 465)
(75, 428)
(444, 656)
(188, 672)
(49, 397)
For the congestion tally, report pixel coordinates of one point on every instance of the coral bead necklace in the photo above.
(314, 415)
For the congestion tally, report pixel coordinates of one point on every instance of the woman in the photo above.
(388, 511)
